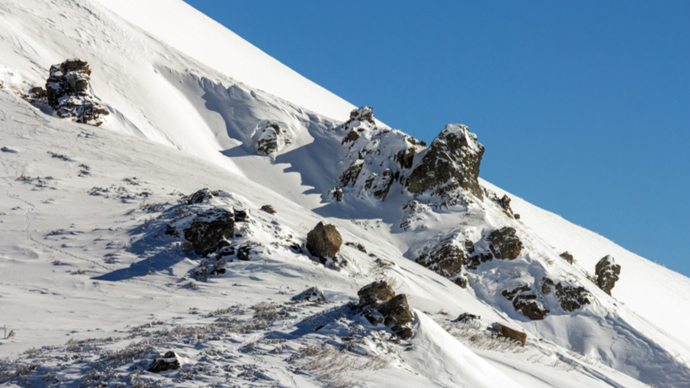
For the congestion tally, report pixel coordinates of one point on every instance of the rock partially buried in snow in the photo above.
(312, 294)
(324, 241)
(169, 361)
(201, 196)
(397, 315)
(9, 150)
(210, 229)
(525, 301)
(379, 304)
(68, 93)
(451, 162)
(567, 257)
(506, 332)
(607, 273)
(271, 138)
(268, 209)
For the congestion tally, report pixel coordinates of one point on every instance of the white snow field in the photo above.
(97, 277)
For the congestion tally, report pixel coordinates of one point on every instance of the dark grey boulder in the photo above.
(210, 230)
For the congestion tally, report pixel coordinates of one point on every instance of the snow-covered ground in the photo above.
(87, 254)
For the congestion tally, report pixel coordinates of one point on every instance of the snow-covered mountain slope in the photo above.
(93, 226)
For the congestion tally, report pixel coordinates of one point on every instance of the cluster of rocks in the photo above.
(607, 272)
(378, 157)
(525, 301)
(380, 305)
(454, 255)
(270, 138)
(569, 297)
(67, 92)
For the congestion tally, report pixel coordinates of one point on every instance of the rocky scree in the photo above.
(67, 91)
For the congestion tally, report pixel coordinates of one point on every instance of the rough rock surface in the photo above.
(379, 304)
(525, 301)
(506, 332)
(505, 244)
(379, 291)
(451, 162)
(210, 229)
(271, 138)
(200, 196)
(268, 209)
(570, 297)
(169, 361)
(448, 258)
(607, 272)
(324, 241)
(68, 93)
(467, 318)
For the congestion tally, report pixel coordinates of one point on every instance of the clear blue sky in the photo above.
(584, 107)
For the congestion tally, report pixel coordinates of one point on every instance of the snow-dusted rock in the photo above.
(68, 93)
(210, 229)
(379, 291)
(607, 272)
(270, 138)
(450, 163)
(505, 244)
(169, 361)
(525, 301)
(312, 294)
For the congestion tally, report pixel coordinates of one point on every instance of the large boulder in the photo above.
(450, 163)
(210, 230)
(505, 244)
(607, 272)
(324, 241)
(68, 93)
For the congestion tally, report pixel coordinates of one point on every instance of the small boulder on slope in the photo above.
(324, 241)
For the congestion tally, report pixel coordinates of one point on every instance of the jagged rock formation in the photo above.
(525, 301)
(210, 230)
(607, 272)
(505, 244)
(451, 162)
(200, 196)
(68, 93)
(379, 304)
(324, 241)
(506, 332)
(271, 138)
(169, 361)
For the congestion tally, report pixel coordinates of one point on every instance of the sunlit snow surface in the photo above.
(80, 256)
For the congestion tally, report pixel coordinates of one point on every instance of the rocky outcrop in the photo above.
(271, 138)
(324, 241)
(567, 257)
(570, 297)
(210, 230)
(169, 361)
(312, 294)
(607, 272)
(525, 301)
(505, 244)
(448, 258)
(68, 93)
(468, 318)
(379, 304)
(450, 163)
(506, 332)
